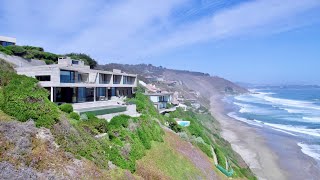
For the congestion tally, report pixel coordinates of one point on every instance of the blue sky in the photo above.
(257, 41)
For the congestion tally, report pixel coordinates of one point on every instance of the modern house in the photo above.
(71, 81)
(7, 41)
(160, 99)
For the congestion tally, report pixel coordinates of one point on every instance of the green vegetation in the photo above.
(74, 115)
(31, 52)
(23, 99)
(163, 161)
(124, 141)
(67, 108)
(203, 133)
(86, 58)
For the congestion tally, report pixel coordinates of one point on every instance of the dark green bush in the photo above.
(17, 50)
(5, 51)
(94, 125)
(25, 100)
(49, 62)
(74, 115)
(33, 48)
(90, 115)
(205, 148)
(66, 108)
(174, 125)
(119, 121)
(86, 58)
(220, 157)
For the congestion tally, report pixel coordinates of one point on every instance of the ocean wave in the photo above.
(249, 108)
(312, 119)
(289, 105)
(292, 103)
(310, 150)
(251, 122)
(296, 129)
(277, 129)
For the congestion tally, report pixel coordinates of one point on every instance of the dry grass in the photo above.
(5, 117)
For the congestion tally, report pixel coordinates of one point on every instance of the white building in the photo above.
(71, 81)
(161, 99)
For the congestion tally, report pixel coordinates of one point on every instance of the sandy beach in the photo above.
(269, 155)
(249, 144)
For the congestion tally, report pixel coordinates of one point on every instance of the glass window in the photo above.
(43, 78)
(67, 76)
(75, 62)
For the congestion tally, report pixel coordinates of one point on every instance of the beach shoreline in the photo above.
(269, 155)
(248, 144)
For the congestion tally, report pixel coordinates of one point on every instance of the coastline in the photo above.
(250, 145)
(269, 154)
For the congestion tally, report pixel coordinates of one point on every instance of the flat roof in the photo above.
(8, 39)
(81, 69)
(158, 94)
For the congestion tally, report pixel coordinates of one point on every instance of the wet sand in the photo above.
(269, 154)
(249, 144)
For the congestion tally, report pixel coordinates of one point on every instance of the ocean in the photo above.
(292, 111)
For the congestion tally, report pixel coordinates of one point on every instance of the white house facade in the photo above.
(71, 81)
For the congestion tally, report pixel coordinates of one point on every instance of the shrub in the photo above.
(33, 48)
(144, 138)
(205, 148)
(90, 115)
(119, 121)
(86, 58)
(66, 108)
(94, 125)
(17, 50)
(74, 115)
(49, 61)
(5, 50)
(26, 100)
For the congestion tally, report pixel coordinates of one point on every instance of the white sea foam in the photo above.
(310, 150)
(287, 103)
(312, 119)
(284, 131)
(296, 129)
(248, 108)
(234, 116)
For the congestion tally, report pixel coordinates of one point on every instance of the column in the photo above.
(51, 94)
(94, 94)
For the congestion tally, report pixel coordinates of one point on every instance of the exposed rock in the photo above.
(45, 135)
(111, 165)
(8, 171)
(101, 135)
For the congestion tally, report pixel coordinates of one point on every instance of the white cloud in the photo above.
(130, 29)
(251, 18)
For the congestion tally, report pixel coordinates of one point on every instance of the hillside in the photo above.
(195, 87)
(188, 82)
(40, 140)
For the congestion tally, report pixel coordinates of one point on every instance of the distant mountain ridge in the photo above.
(202, 82)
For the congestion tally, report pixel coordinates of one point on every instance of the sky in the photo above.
(253, 41)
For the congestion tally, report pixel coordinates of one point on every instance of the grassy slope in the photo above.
(164, 161)
(170, 161)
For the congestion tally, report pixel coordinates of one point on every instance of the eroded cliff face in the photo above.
(27, 152)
